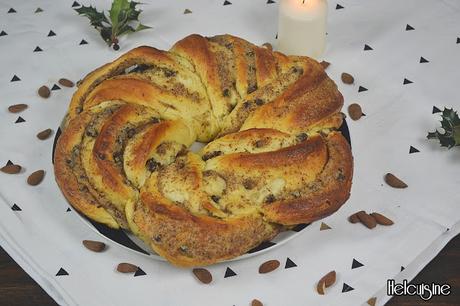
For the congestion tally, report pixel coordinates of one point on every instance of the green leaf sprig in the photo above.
(450, 123)
(123, 18)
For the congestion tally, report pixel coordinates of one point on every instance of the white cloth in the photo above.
(43, 237)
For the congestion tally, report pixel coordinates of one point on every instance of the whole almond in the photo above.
(355, 111)
(17, 108)
(44, 134)
(381, 219)
(66, 82)
(347, 78)
(268, 46)
(95, 246)
(354, 217)
(366, 219)
(256, 302)
(325, 282)
(11, 169)
(125, 267)
(372, 301)
(44, 91)
(269, 266)
(203, 275)
(325, 64)
(394, 182)
(36, 178)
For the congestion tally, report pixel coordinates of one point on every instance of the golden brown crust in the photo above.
(323, 196)
(74, 187)
(186, 239)
(275, 157)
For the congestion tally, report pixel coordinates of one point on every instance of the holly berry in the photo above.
(116, 47)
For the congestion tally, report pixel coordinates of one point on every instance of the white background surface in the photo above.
(43, 237)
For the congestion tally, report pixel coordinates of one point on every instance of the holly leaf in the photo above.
(97, 19)
(450, 123)
(123, 17)
(141, 27)
(118, 12)
(126, 30)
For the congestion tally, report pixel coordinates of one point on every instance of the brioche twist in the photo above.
(274, 157)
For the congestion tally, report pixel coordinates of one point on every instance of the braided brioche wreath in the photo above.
(273, 158)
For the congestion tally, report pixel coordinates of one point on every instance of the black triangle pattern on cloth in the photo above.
(9, 162)
(270, 1)
(55, 87)
(62, 272)
(139, 272)
(367, 47)
(51, 33)
(11, 10)
(3, 33)
(83, 42)
(347, 288)
(402, 268)
(187, 11)
(338, 7)
(38, 10)
(15, 78)
(19, 120)
(15, 207)
(435, 110)
(413, 150)
(68, 209)
(356, 264)
(75, 4)
(409, 27)
(38, 49)
(423, 60)
(299, 227)
(407, 81)
(289, 264)
(227, 2)
(264, 245)
(229, 273)
(458, 40)
(361, 88)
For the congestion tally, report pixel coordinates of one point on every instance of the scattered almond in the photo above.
(256, 302)
(347, 78)
(95, 246)
(269, 266)
(11, 169)
(44, 134)
(372, 301)
(325, 64)
(366, 219)
(17, 108)
(355, 111)
(66, 82)
(44, 91)
(354, 217)
(203, 275)
(268, 46)
(325, 282)
(394, 182)
(381, 219)
(36, 178)
(125, 267)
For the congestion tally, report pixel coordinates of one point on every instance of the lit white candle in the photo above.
(302, 27)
